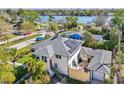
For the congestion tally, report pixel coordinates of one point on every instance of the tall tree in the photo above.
(6, 69)
(101, 20)
(115, 37)
(52, 26)
(38, 70)
(27, 26)
(117, 19)
(5, 29)
(71, 22)
(13, 55)
(90, 41)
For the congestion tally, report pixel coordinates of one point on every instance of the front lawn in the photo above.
(24, 51)
(12, 36)
(25, 58)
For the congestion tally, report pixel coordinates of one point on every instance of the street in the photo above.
(25, 43)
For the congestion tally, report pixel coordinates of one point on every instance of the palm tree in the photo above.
(6, 69)
(13, 54)
(115, 37)
(52, 26)
(118, 22)
(51, 18)
(36, 68)
(71, 22)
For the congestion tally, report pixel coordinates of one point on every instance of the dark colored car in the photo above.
(39, 38)
(18, 33)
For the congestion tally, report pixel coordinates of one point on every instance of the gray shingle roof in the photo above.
(101, 59)
(58, 46)
(46, 51)
(87, 51)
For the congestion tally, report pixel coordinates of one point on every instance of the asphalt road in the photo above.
(25, 43)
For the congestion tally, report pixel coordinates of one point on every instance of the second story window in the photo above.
(58, 56)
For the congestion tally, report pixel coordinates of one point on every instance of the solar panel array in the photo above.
(72, 44)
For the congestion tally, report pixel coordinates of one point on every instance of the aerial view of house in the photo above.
(61, 46)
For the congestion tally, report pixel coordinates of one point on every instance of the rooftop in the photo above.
(58, 45)
(100, 61)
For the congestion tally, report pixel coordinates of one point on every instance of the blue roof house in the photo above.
(75, 36)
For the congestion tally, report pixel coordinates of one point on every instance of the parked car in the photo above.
(18, 33)
(27, 33)
(39, 38)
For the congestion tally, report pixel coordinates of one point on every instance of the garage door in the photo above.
(98, 75)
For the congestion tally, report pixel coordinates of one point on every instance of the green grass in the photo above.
(20, 40)
(12, 36)
(25, 49)
(25, 58)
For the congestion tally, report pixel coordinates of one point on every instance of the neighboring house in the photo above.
(100, 62)
(75, 36)
(96, 37)
(71, 59)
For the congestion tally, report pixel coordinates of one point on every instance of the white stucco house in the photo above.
(72, 59)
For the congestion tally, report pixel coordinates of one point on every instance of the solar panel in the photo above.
(72, 44)
(72, 50)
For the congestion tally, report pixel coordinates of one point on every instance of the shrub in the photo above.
(19, 72)
(107, 45)
(94, 31)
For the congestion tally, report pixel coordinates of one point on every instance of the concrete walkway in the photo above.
(17, 64)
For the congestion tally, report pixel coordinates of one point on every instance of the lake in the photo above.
(81, 19)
